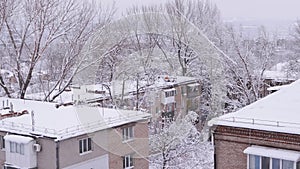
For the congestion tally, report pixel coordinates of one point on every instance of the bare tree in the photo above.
(203, 15)
(39, 31)
(253, 57)
(6, 8)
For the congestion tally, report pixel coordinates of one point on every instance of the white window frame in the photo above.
(171, 93)
(85, 145)
(169, 107)
(2, 142)
(18, 148)
(22, 149)
(12, 147)
(128, 159)
(128, 133)
(270, 158)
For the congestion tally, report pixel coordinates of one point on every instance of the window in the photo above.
(16, 147)
(12, 146)
(128, 162)
(287, 164)
(275, 163)
(298, 165)
(254, 162)
(21, 149)
(169, 107)
(127, 133)
(265, 162)
(85, 145)
(260, 157)
(170, 93)
(260, 162)
(2, 142)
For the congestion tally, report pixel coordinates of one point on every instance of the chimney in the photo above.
(11, 107)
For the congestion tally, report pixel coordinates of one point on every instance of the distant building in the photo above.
(49, 136)
(263, 135)
(277, 76)
(165, 99)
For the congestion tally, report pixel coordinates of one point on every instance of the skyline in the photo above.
(235, 9)
(259, 9)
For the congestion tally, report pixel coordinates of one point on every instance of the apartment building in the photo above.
(263, 135)
(44, 135)
(167, 98)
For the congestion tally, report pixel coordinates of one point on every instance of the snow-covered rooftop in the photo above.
(63, 122)
(280, 72)
(101, 91)
(162, 81)
(18, 139)
(279, 112)
(278, 75)
(276, 88)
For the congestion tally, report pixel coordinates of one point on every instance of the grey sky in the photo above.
(260, 9)
(249, 9)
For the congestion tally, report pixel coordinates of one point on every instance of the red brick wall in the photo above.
(229, 155)
(230, 142)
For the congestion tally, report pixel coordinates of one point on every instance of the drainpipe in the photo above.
(57, 154)
(214, 146)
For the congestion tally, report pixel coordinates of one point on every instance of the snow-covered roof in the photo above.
(276, 88)
(280, 72)
(279, 112)
(65, 121)
(18, 139)
(169, 90)
(278, 75)
(96, 91)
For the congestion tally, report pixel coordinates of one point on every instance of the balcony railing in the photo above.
(253, 121)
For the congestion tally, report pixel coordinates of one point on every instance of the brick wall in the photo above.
(229, 155)
(230, 142)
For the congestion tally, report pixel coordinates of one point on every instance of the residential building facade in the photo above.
(165, 99)
(67, 138)
(263, 135)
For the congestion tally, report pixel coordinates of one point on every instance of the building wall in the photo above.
(230, 142)
(104, 143)
(100, 162)
(2, 150)
(46, 158)
(69, 151)
(230, 155)
(138, 147)
(107, 142)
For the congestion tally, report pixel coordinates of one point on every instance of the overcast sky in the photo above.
(242, 9)
(260, 9)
